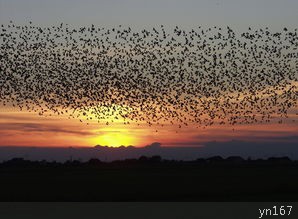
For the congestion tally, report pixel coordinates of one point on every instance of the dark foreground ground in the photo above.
(149, 181)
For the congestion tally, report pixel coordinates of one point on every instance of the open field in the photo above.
(172, 181)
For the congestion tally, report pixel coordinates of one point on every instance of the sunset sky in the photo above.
(24, 128)
(29, 129)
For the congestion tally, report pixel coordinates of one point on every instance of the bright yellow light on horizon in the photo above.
(114, 139)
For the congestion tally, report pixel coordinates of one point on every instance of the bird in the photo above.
(206, 76)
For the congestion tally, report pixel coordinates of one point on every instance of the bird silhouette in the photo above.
(157, 76)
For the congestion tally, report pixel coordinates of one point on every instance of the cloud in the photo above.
(2, 134)
(6, 116)
(36, 127)
(291, 137)
(154, 145)
(258, 135)
(107, 131)
(187, 144)
(287, 138)
(23, 116)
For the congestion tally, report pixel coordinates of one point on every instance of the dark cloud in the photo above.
(5, 134)
(189, 144)
(36, 127)
(264, 132)
(6, 116)
(250, 135)
(290, 138)
(20, 117)
(154, 145)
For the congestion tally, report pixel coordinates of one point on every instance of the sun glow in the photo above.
(114, 138)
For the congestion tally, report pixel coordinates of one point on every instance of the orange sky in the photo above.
(19, 128)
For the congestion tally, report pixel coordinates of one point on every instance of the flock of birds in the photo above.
(158, 75)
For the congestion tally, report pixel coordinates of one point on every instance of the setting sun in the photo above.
(114, 139)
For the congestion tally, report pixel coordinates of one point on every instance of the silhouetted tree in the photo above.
(215, 160)
(235, 160)
(155, 159)
(94, 161)
(143, 159)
